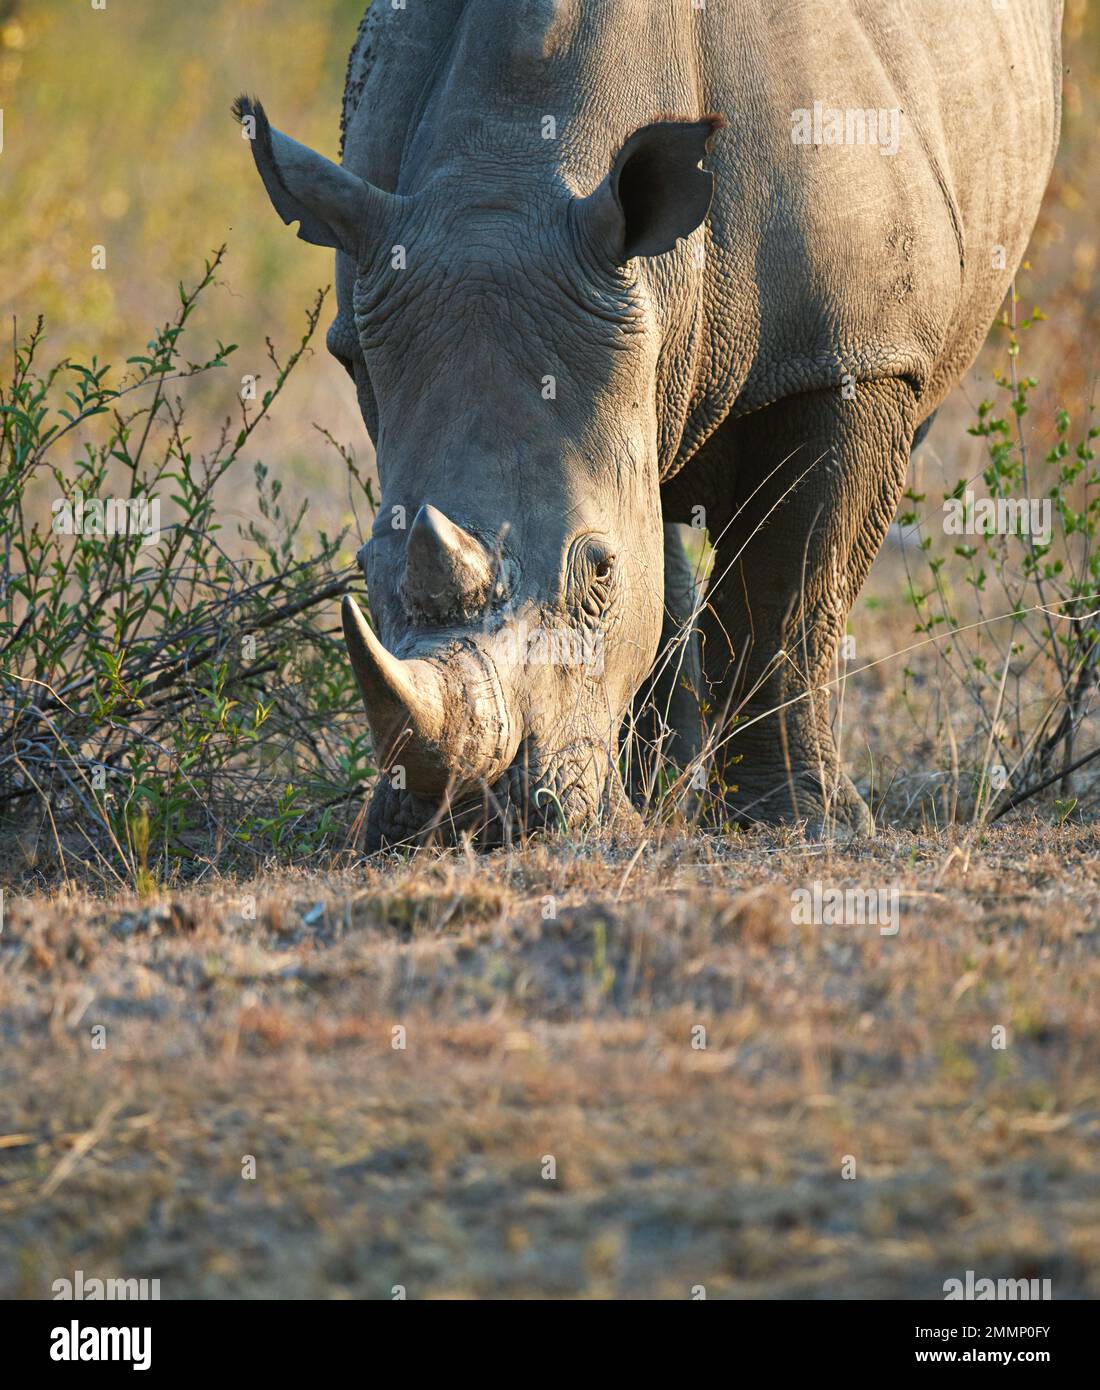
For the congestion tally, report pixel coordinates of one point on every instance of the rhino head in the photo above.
(505, 351)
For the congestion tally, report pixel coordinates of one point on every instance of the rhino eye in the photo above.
(597, 565)
(605, 567)
(596, 585)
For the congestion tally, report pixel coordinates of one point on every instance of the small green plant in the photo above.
(1028, 659)
(166, 696)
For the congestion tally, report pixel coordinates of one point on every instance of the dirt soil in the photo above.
(565, 1072)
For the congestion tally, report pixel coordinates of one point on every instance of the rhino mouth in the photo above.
(574, 787)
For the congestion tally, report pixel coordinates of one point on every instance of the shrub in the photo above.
(1027, 658)
(164, 702)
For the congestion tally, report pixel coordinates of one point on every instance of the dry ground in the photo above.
(527, 1036)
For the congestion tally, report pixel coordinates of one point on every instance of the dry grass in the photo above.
(571, 1037)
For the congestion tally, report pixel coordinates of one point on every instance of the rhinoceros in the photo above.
(610, 267)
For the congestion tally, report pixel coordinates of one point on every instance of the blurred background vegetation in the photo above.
(117, 132)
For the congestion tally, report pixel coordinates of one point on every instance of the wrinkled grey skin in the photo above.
(769, 357)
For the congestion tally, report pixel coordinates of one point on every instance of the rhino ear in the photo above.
(655, 193)
(332, 206)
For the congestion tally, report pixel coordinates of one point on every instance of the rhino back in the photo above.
(822, 261)
(840, 259)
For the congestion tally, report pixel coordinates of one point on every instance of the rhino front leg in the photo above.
(828, 474)
(665, 730)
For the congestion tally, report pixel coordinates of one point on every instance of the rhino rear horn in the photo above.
(332, 206)
(448, 576)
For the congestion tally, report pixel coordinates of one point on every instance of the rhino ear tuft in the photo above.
(244, 106)
(655, 193)
(332, 206)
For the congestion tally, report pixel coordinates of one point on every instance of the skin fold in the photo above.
(593, 287)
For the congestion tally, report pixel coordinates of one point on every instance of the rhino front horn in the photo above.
(448, 576)
(445, 726)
